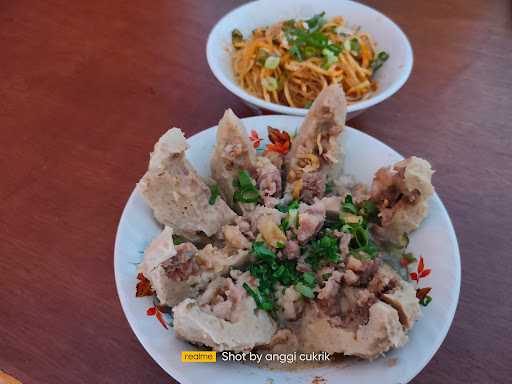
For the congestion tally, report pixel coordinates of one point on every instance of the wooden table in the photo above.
(86, 88)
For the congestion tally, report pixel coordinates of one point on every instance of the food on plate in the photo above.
(177, 195)
(233, 152)
(312, 261)
(223, 315)
(401, 195)
(292, 61)
(316, 153)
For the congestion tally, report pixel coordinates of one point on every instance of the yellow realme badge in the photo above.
(198, 356)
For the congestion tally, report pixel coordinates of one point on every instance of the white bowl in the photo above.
(435, 240)
(387, 34)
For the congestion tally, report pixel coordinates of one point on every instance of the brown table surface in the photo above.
(87, 87)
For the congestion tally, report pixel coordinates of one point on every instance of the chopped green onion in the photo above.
(245, 180)
(369, 209)
(177, 240)
(285, 224)
(260, 250)
(316, 22)
(304, 290)
(310, 52)
(346, 45)
(236, 38)
(296, 52)
(350, 218)
(261, 56)
(360, 235)
(355, 47)
(257, 297)
(269, 83)
(272, 62)
(379, 60)
(324, 250)
(246, 191)
(293, 217)
(284, 208)
(330, 58)
(336, 49)
(348, 205)
(215, 192)
(280, 245)
(309, 279)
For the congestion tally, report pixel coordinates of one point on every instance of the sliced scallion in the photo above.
(272, 62)
(269, 83)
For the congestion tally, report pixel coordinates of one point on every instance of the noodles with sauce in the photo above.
(291, 62)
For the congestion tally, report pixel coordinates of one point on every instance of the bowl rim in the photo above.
(182, 378)
(234, 88)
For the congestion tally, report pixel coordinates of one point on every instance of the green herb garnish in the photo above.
(348, 205)
(214, 193)
(285, 208)
(272, 62)
(369, 210)
(236, 38)
(316, 22)
(354, 219)
(270, 83)
(296, 52)
(329, 58)
(262, 252)
(304, 290)
(310, 42)
(318, 252)
(246, 191)
(355, 47)
(288, 24)
(378, 61)
(309, 279)
(261, 56)
(269, 270)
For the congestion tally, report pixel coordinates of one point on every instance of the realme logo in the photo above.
(198, 357)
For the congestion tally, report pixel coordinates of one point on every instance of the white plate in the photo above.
(435, 240)
(386, 33)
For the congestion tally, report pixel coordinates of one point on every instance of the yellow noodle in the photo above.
(300, 82)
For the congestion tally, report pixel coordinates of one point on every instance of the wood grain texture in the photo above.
(87, 87)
